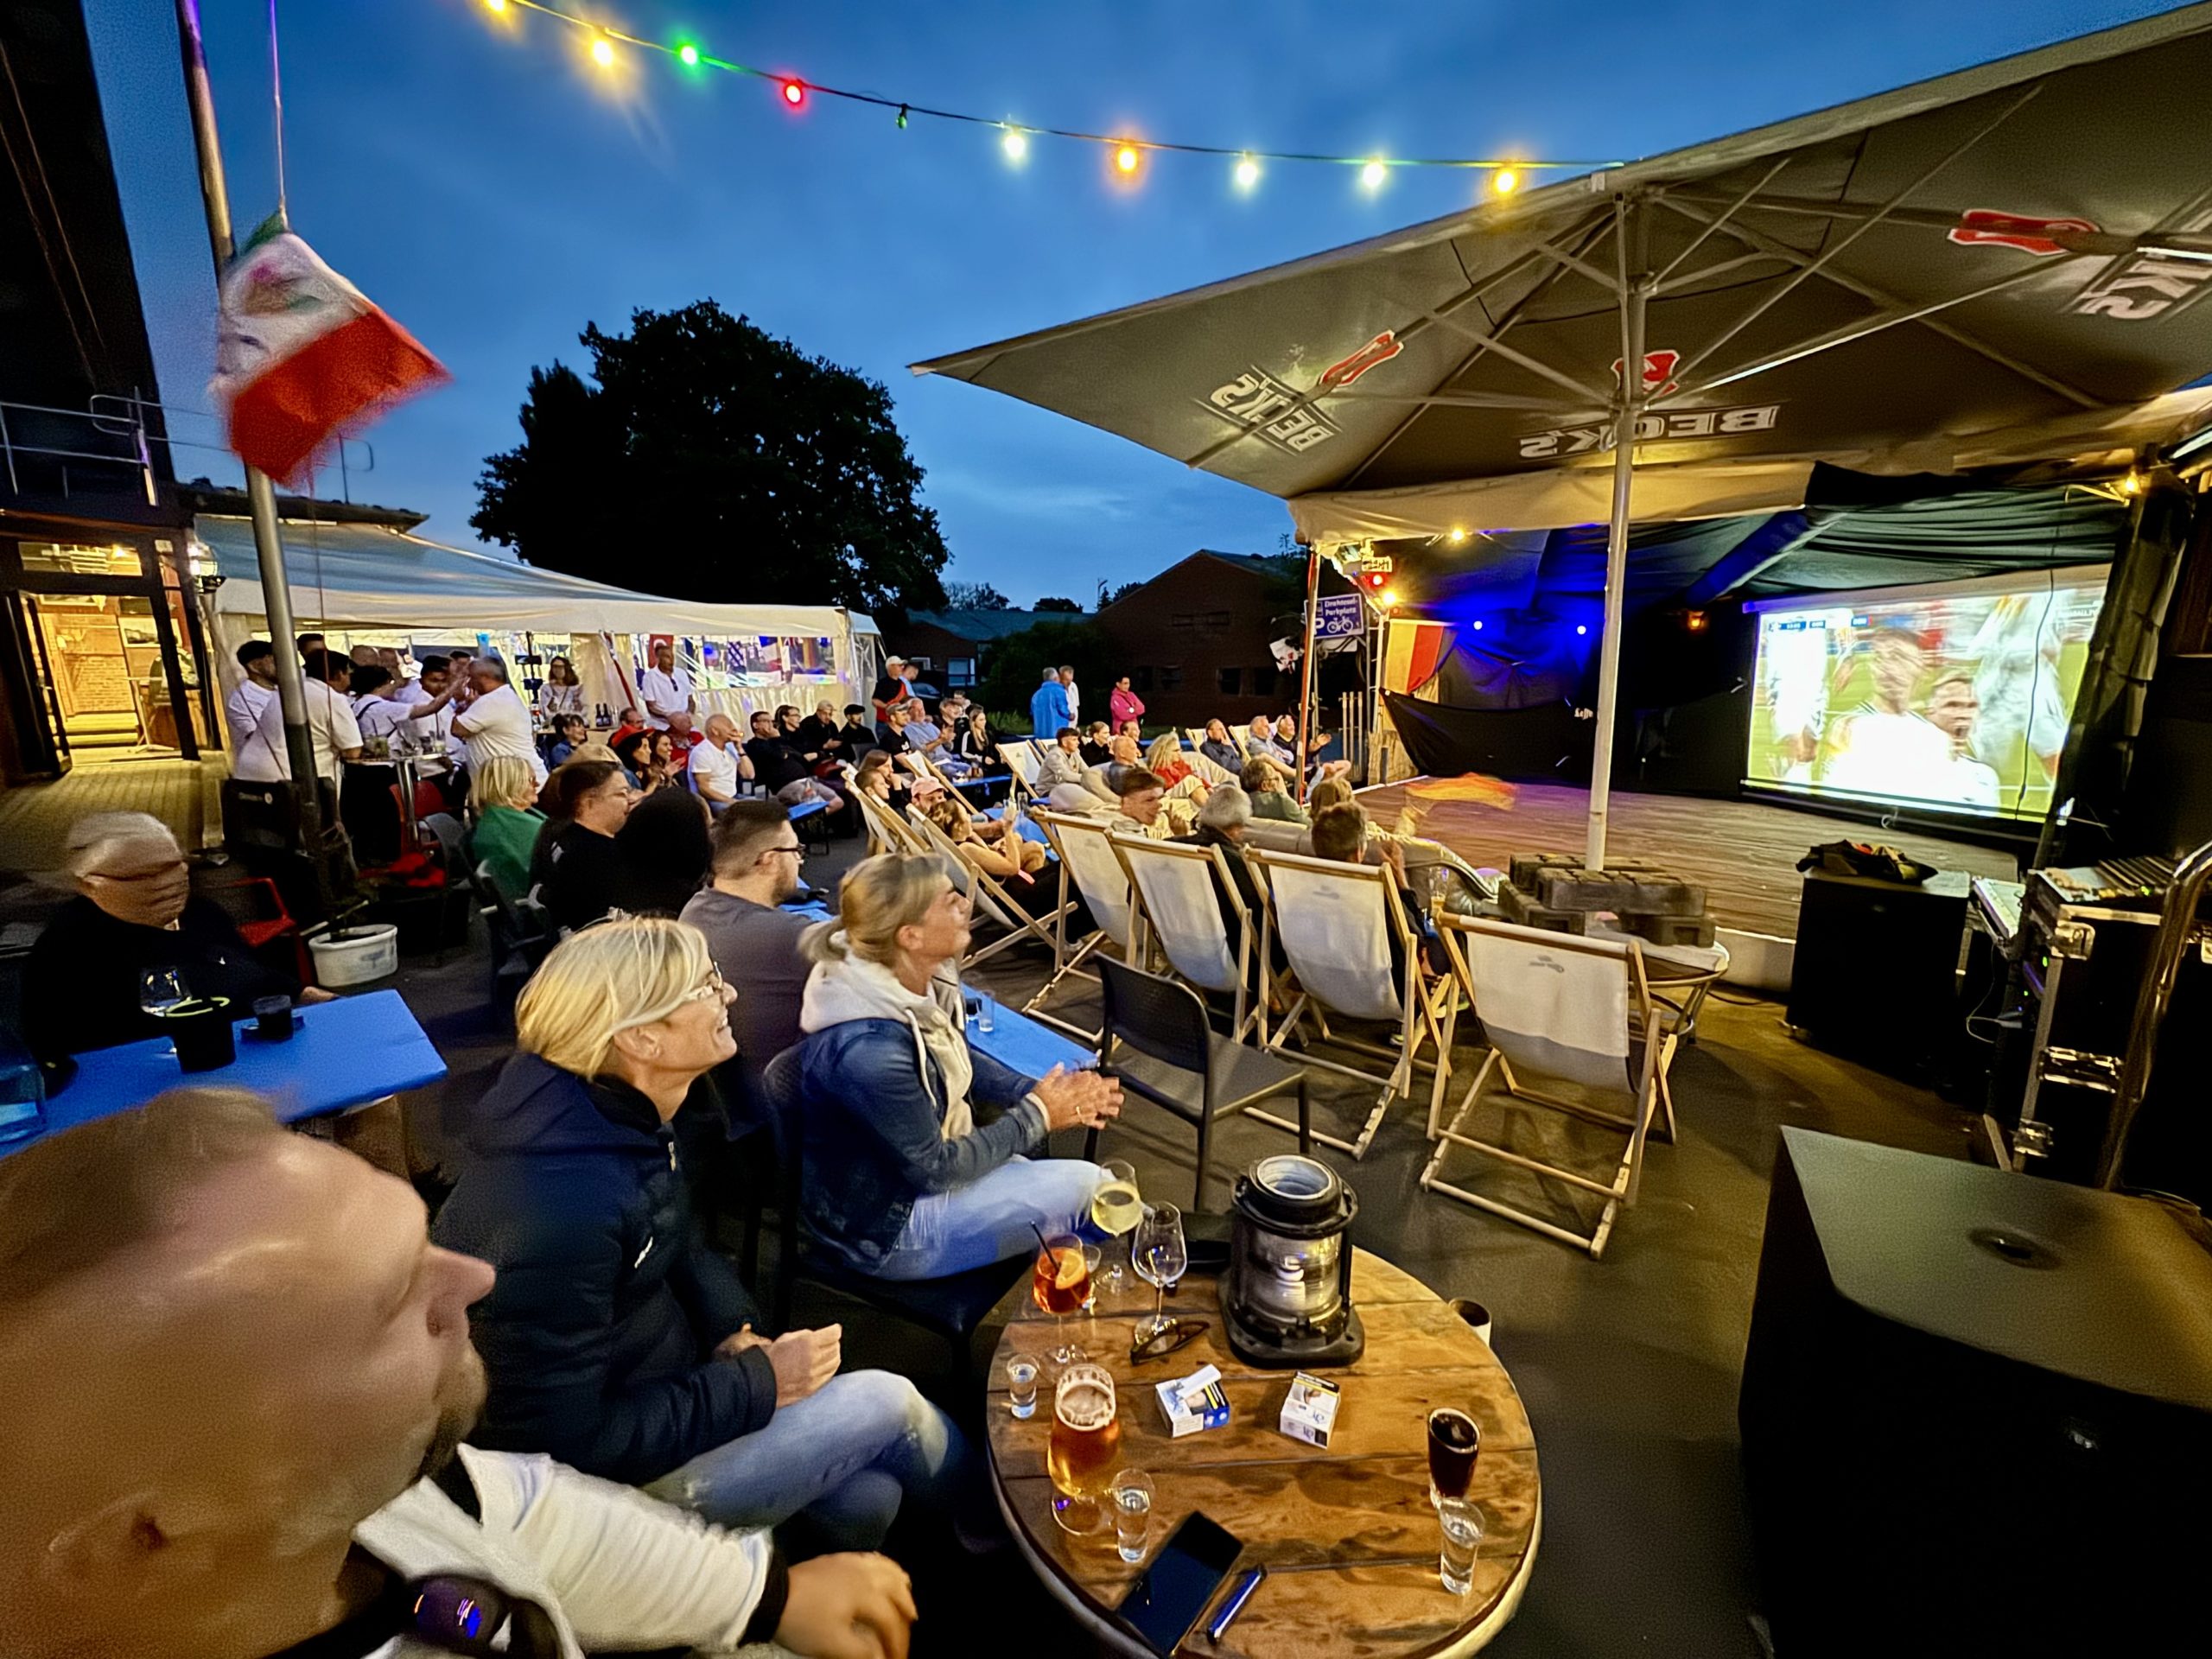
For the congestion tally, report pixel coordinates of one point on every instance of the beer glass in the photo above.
(1085, 1447)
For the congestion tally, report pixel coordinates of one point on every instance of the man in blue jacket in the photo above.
(615, 1340)
(1048, 708)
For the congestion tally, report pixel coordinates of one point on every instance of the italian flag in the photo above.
(303, 356)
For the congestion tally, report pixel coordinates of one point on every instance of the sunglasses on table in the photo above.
(1172, 1338)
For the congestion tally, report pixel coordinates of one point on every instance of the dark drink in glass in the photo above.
(1453, 1440)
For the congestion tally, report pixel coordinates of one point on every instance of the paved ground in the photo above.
(1628, 1365)
(34, 818)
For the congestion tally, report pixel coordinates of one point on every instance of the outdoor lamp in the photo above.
(1288, 1299)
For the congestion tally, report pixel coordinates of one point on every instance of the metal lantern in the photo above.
(1288, 1297)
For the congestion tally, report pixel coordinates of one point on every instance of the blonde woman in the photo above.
(503, 796)
(904, 1179)
(992, 845)
(614, 1339)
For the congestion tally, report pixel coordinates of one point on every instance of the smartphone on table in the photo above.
(1178, 1584)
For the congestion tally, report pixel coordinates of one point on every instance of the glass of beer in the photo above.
(1059, 1283)
(1085, 1447)
(1453, 1440)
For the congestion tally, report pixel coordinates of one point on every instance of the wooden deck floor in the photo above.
(34, 818)
(1745, 853)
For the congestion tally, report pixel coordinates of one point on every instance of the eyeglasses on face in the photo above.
(708, 990)
(792, 848)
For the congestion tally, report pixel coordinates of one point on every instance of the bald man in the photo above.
(238, 1377)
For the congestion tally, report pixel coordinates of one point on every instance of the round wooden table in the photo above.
(1363, 1499)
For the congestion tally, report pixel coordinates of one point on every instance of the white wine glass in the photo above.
(1160, 1256)
(1115, 1208)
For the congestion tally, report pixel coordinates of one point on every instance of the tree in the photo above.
(1018, 662)
(1067, 605)
(1118, 594)
(707, 460)
(975, 596)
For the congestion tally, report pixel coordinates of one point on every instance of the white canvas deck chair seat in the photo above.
(1578, 1011)
(1088, 865)
(1336, 924)
(925, 766)
(1182, 892)
(1021, 757)
(987, 898)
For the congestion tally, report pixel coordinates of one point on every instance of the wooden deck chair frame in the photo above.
(1068, 959)
(1424, 995)
(988, 897)
(1020, 756)
(925, 766)
(1134, 852)
(887, 832)
(1646, 1054)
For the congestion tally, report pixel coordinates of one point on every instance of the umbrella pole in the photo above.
(1306, 666)
(261, 495)
(1628, 408)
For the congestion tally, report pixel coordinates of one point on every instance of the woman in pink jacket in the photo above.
(1124, 704)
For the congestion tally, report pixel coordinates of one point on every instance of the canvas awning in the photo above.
(2009, 263)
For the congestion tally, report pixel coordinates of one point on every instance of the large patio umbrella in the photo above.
(2006, 265)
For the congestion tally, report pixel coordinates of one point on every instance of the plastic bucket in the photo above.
(365, 954)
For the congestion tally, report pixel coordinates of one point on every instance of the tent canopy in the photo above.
(370, 576)
(2001, 266)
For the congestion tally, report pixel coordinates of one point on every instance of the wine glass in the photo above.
(1115, 1208)
(1060, 1283)
(1160, 1255)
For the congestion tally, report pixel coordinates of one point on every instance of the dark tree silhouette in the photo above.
(707, 460)
(1056, 604)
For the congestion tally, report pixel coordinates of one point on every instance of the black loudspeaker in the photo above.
(1976, 1411)
(1875, 971)
(2168, 806)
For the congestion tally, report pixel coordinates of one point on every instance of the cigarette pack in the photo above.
(1193, 1402)
(1309, 1410)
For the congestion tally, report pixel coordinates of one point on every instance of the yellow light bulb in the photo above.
(602, 51)
(1015, 143)
(1126, 157)
(496, 5)
(1372, 175)
(1458, 535)
(1248, 172)
(1389, 596)
(1506, 181)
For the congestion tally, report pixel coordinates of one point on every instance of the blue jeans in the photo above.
(845, 1455)
(992, 1219)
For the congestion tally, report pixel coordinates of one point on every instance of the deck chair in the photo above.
(1336, 924)
(1572, 1009)
(1090, 867)
(1179, 891)
(1021, 757)
(987, 898)
(925, 766)
(888, 830)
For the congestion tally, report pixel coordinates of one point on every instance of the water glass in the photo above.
(987, 1014)
(1021, 1385)
(1131, 1499)
(1463, 1535)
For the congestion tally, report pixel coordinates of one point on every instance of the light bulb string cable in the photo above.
(906, 107)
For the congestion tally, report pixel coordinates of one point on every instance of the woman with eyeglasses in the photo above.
(562, 694)
(614, 1339)
(905, 1178)
(134, 913)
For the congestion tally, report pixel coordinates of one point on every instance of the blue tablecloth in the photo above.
(1030, 1047)
(813, 909)
(345, 1053)
(807, 808)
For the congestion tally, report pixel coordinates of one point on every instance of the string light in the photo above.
(1128, 157)
(1476, 624)
(1457, 535)
(1015, 143)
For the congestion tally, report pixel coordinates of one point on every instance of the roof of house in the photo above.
(982, 626)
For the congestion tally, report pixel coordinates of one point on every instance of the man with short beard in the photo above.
(238, 1377)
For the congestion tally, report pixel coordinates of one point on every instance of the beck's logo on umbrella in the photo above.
(1381, 349)
(1658, 372)
(1985, 227)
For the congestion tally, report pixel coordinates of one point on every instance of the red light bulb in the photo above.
(794, 92)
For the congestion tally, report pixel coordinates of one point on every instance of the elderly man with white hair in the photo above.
(133, 914)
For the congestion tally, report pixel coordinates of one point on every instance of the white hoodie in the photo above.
(848, 987)
(615, 1569)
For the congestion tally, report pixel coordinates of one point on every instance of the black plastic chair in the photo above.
(952, 1308)
(1182, 1064)
(521, 934)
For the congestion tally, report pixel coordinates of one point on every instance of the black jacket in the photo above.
(598, 1335)
(578, 872)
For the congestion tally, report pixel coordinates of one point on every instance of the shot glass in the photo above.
(1130, 1497)
(1463, 1536)
(986, 1016)
(1021, 1385)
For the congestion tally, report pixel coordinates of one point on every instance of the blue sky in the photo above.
(482, 184)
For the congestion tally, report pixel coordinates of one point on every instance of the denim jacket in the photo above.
(871, 1105)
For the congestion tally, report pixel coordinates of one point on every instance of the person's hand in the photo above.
(738, 1341)
(804, 1360)
(1077, 1099)
(847, 1607)
(311, 994)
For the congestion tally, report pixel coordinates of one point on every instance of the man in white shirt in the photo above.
(238, 1377)
(496, 720)
(375, 710)
(666, 689)
(715, 766)
(252, 693)
(433, 719)
(413, 691)
(332, 729)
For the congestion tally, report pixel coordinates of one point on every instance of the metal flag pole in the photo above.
(261, 495)
(1628, 408)
(1306, 669)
